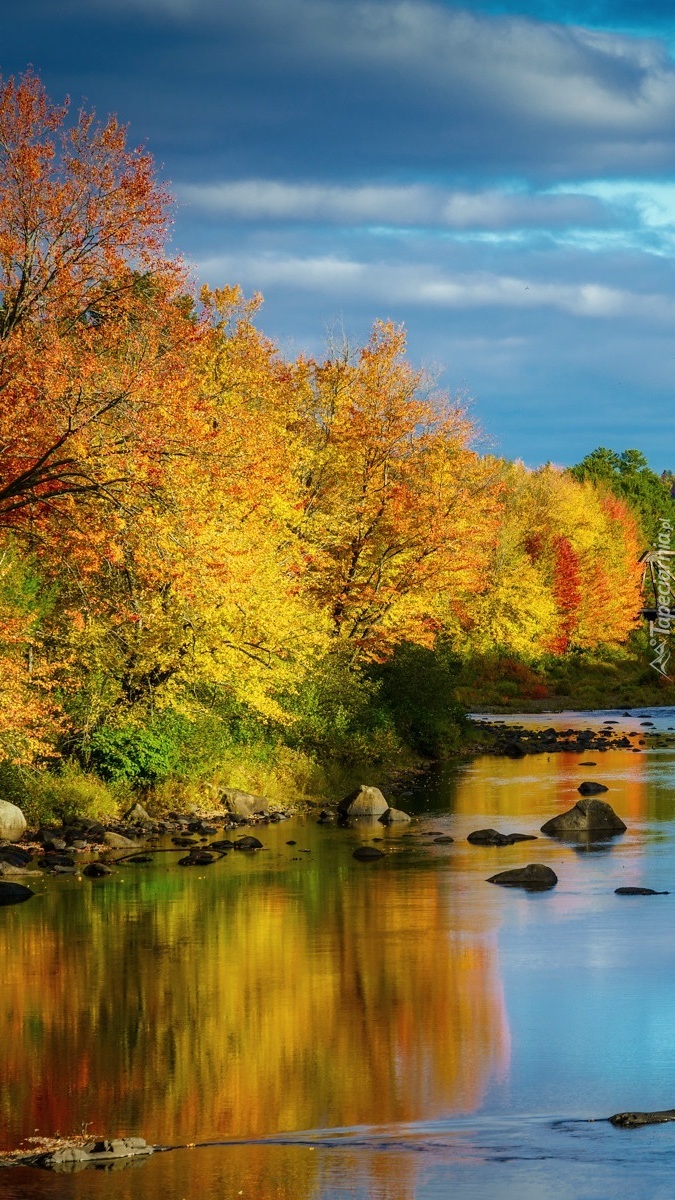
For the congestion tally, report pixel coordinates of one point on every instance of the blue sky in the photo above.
(499, 179)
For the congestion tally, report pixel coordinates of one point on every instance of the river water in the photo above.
(396, 1030)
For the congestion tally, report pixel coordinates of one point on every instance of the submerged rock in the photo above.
(534, 877)
(586, 816)
(631, 1120)
(638, 891)
(96, 870)
(14, 893)
(365, 801)
(197, 858)
(492, 837)
(363, 853)
(12, 822)
(103, 1151)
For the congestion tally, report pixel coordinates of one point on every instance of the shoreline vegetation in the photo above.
(220, 567)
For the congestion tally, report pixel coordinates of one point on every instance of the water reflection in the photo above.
(186, 1008)
(295, 991)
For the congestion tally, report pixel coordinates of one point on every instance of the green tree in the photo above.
(629, 476)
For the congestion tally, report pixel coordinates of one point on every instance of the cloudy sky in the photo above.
(499, 177)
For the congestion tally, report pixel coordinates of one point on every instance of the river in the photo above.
(394, 1030)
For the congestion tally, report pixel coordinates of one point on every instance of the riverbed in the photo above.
(392, 1030)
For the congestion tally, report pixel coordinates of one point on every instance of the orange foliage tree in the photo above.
(92, 332)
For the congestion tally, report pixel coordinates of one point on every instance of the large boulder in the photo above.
(587, 816)
(365, 801)
(535, 878)
(118, 841)
(137, 815)
(12, 822)
(243, 804)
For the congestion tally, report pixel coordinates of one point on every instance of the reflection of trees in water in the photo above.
(543, 784)
(212, 1007)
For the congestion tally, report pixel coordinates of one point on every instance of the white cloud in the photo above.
(422, 285)
(410, 205)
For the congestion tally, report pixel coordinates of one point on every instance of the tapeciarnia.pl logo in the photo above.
(660, 627)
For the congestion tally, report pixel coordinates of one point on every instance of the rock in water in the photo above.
(12, 822)
(589, 788)
(638, 891)
(197, 858)
(492, 837)
(14, 893)
(103, 1151)
(394, 816)
(587, 816)
(366, 801)
(534, 877)
(118, 841)
(247, 843)
(632, 1120)
(364, 853)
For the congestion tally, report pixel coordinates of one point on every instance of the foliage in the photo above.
(214, 561)
(628, 476)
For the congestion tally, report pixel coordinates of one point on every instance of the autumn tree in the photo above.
(396, 507)
(92, 330)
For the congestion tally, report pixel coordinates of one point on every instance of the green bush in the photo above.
(336, 715)
(416, 688)
(60, 794)
(133, 753)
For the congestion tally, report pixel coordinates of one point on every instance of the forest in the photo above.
(217, 564)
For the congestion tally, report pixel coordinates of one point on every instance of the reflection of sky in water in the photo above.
(427, 1028)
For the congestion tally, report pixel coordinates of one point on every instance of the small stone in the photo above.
(394, 816)
(248, 843)
(589, 788)
(534, 877)
(638, 891)
(96, 870)
(197, 858)
(50, 861)
(443, 840)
